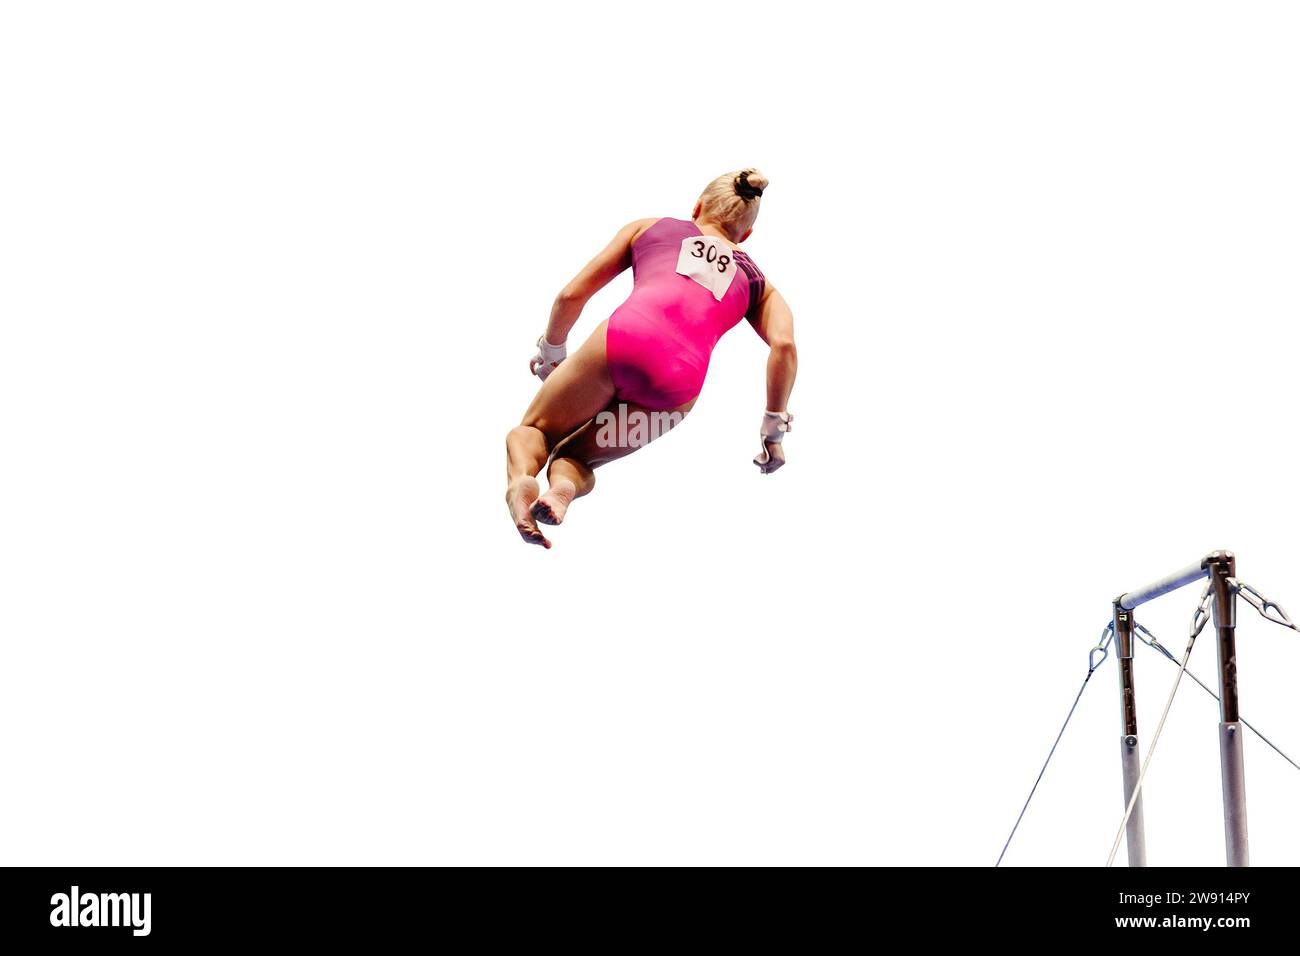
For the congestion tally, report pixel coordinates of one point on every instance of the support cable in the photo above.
(1149, 639)
(1093, 663)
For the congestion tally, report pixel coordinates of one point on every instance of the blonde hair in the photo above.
(732, 200)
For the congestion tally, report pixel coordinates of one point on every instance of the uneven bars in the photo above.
(1172, 582)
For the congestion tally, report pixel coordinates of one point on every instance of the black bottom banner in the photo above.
(136, 907)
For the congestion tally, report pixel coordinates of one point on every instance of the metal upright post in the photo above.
(1131, 763)
(1222, 566)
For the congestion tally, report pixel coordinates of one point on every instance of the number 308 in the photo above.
(711, 254)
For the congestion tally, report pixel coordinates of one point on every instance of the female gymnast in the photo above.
(642, 368)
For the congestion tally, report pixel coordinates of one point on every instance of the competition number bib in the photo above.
(708, 261)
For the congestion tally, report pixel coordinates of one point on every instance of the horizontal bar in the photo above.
(1193, 572)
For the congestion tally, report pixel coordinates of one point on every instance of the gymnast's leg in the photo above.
(579, 387)
(618, 431)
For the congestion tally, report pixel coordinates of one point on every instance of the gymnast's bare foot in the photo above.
(550, 507)
(520, 497)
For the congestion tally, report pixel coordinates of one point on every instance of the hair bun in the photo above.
(750, 184)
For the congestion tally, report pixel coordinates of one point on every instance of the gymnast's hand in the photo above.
(772, 457)
(547, 358)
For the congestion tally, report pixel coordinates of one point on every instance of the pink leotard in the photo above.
(659, 341)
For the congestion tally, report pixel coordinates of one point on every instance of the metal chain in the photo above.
(1269, 610)
(1102, 648)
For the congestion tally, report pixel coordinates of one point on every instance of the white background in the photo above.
(271, 278)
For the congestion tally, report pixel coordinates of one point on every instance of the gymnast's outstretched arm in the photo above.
(552, 348)
(595, 275)
(775, 326)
